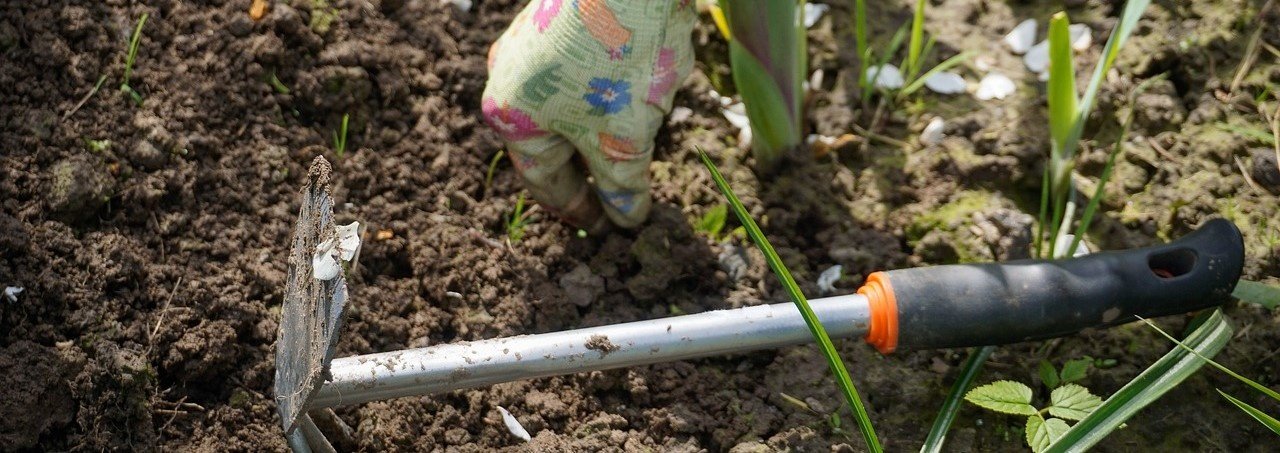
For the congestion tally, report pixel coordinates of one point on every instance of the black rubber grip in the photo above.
(1000, 303)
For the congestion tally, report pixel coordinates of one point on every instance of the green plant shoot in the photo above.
(793, 290)
(130, 58)
(340, 137)
(767, 55)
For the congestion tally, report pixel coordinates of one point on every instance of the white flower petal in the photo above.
(994, 86)
(11, 293)
(680, 114)
(462, 5)
(348, 240)
(1064, 242)
(932, 133)
(945, 83)
(514, 425)
(1019, 40)
(325, 267)
(827, 279)
(813, 12)
(885, 76)
(737, 116)
(1081, 36)
(1037, 59)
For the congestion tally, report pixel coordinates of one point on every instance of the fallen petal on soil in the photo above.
(932, 133)
(827, 279)
(946, 83)
(994, 86)
(513, 425)
(1037, 59)
(885, 76)
(1019, 40)
(813, 12)
(11, 293)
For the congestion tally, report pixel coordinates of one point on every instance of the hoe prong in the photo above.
(311, 315)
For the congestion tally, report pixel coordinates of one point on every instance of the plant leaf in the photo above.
(1073, 402)
(1049, 374)
(1075, 370)
(1260, 416)
(1157, 379)
(1256, 386)
(767, 110)
(780, 270)
(713, 221)
(946, 415)
(1257, 293)
(1041, 433)
(1008, 397)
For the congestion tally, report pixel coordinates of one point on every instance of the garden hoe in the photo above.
(906, 309)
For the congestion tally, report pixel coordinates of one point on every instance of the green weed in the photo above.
(340, 137)
(493, 164)
(518, 220)
(1066, 402)
(130, 58)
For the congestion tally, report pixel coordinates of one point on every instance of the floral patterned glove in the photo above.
(592, 78)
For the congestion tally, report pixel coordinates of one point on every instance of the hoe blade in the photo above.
(312, 310)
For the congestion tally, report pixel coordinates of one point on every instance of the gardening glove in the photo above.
(591, 76)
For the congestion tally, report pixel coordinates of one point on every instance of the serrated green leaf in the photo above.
(1261, 417)
(1257, 293)
(1048, 374)
(1041, 433)
(1075, 370)
(1073, 402)
(1009, 397)
(1159, 378)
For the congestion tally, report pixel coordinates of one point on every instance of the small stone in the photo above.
(80, 185)
(1266, 171)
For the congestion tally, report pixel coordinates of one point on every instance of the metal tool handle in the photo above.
(999, 303)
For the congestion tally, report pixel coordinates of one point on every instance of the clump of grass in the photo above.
(130, 58)
(825, 345)
(518, 220)
(340, 137)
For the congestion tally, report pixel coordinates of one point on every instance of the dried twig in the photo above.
(86, 97)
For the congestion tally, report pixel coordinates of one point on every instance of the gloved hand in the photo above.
(595, 76)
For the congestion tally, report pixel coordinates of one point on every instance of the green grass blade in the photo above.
(917, 41)
(1128, 20)
(1258, 293)
(1062, 117)
(133, 49)
(1041, 249)
(1157, 379)
(493, 164)
(793, 290)
(1247, 381)
(947, 415)
(1260, 416)
(945, 65)
(1062, 81)
(860, 41)
(1103, 179)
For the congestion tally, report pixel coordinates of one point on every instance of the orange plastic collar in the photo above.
(883, 334)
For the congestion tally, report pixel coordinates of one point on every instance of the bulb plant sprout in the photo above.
(767, 52)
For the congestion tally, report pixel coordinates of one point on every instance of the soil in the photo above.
(151, 239)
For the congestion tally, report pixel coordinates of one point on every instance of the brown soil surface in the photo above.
(151, 239)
